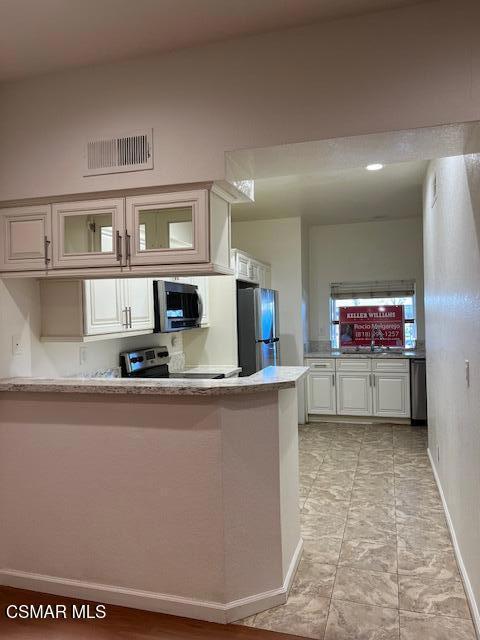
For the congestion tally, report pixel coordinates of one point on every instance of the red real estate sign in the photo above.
(384, 324)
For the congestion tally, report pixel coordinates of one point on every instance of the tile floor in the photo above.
(378, 562)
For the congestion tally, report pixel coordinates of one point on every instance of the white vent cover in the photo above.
(128, 152)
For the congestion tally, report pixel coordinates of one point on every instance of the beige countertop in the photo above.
(227, 370)
(364, 354)
(269, 379)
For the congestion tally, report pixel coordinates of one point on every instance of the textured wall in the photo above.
(279, 243)
(20, 315)
(390, 250)
(452, 308)
(379, 72)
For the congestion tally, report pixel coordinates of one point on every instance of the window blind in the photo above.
(374, 289)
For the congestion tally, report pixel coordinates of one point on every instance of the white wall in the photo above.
(279, 243)
(216, 344)
(452, 305)
(20, 315)
(337, 78)
(390, 250)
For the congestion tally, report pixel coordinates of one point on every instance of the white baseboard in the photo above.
(151, 601)
(463, 571)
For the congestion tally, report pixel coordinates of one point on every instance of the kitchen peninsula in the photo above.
(179, 496)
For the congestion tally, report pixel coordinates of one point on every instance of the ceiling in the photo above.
(340, 196)
(41, 36)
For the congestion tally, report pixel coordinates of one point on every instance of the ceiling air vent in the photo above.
(130, 152)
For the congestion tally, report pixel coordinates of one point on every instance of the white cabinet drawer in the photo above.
(393, 365)
(354, 364)
(320, 364)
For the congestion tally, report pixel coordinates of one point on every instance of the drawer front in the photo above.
(320, 364)
(354, 364)
(391, 365)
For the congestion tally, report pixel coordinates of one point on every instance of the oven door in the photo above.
(177, 306)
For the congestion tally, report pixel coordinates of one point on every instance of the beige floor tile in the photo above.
(321, 505)
(372, 511)
(374, 468)
(396, 522)
(337, 463)
(369, 555)
(417, 505)
(439, 597)
(314, 579)
(300, 616)
(349, 621)
(433, 522)
(364, 529)
(374, 494)
(324, 550)
(332, 492)
(423, 538)
(370, 470)
(366, 587)
(429, 563)
(384, 483)
(419, 626)
(246, 622)
(314, 527)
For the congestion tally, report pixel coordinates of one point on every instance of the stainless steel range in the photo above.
(152, 362)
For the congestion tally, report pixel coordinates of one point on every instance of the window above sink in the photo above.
(384, 293)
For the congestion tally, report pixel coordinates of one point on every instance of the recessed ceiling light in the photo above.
(376, 166)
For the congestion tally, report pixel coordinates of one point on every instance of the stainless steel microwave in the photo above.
(178, 306)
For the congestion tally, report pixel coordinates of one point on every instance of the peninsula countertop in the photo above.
(269, 379)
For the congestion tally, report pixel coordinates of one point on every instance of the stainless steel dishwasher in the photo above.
(418, 391)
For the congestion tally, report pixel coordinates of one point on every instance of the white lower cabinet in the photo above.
(321, 393)
(359, 387)
(354, 394)
(391, 395)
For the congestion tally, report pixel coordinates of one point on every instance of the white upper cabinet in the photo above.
(76, 310)
(162, 234)
(104, 309)
(168, 228)
(249, 269)
(88, 234)
(118, 305)
(138, 300)
(25, 238)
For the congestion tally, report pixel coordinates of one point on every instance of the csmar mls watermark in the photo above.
(55, 612)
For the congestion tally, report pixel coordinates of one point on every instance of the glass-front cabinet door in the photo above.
(88, 234)
(167, 228)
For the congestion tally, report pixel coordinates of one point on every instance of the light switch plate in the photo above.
(17, 345)
(82, 355)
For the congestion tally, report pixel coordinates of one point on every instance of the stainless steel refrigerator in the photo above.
(258, 336)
